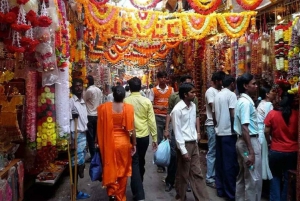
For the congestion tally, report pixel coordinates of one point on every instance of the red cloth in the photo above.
(108, 143)
(284, 137)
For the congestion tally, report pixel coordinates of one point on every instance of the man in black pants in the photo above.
(93, 98)
(144, 123)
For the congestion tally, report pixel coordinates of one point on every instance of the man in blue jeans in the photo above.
(210, 94)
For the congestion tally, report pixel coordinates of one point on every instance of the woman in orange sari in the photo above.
(116, 139)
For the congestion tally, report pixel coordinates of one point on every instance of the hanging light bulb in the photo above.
(279, 17)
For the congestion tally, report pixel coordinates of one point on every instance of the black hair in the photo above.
(184, 89)
(227, 80)
(243, 79)
(150, 86)
(286, 106)
(184, 78)
(75, 80)
(135, 84)
(90, 80)
(127, 88)
(217, 76)
(262, 94)
(119, 94)
(118, 83)
(161, 74)
(112, 88)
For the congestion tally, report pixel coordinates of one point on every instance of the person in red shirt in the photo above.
(281, 132)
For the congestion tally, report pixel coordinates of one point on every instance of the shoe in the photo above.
(168, 187)
(212, 185)
(161, 169)
(81, 196)
(188, 188)
(112, 198)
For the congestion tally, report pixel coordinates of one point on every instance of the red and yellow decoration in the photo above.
(249, 4)
(159, 26)
(235, 24)
(205, 7)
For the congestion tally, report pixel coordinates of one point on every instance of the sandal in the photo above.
(212, 185)
(160, 170)
(82, 195)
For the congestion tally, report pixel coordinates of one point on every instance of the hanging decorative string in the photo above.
(148, 4)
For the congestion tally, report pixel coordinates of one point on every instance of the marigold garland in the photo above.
(159, 26)
(249, 4)
(203, 7)
(235, 24)
(145, 5)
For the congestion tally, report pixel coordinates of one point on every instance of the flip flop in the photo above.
(81, 196)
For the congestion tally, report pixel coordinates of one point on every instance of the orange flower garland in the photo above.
(204, 7)
(235, 24)
(249, 4)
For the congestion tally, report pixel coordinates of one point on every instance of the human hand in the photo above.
(166, 134)
(154, 146)
(198, 137)
(186, 157)
(250, 159)
(133, 150)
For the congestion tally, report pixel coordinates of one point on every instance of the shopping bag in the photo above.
(96, 167)
(163, 154)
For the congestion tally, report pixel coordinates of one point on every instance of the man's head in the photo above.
(112, 88)
(246, 84)
(161, 77)
(229, 82)
(186, 79)
(90, 80)
(187, 92)
(217, 78)
(135, 84)
(127, 88)
(77, 87)
(119, 94)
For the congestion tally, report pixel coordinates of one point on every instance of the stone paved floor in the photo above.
(154, 187)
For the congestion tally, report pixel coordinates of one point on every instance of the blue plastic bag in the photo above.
(163, 154)
(96, 167)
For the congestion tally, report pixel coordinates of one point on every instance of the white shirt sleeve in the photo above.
(151, 95)
(87, 95)
(210, 96)
(176, 122)
(71, 102)
(232, 101)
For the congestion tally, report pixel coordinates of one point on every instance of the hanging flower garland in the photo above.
(145, 5)
(112, 56)
(204, 7)
(98, 3)
(198, 26)
(235, 24)
(249, 4)
(144, 27)
(171, 45)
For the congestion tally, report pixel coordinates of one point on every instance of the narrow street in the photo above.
(153, 185)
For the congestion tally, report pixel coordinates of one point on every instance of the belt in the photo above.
(255, 135)
(193, 141)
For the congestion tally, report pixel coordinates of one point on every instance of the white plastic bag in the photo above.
(163, 154)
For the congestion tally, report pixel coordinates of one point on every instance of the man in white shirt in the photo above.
(110, 97)
(226, 158)
(188, 160)
(210, 129)
(78, 111)
(93, 98)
